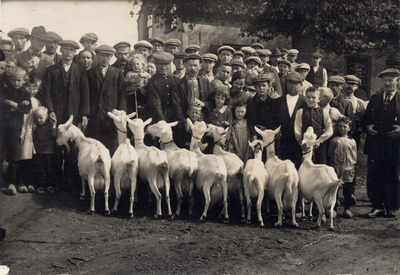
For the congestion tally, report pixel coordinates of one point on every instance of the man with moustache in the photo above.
(336, 84)
(122, 50)
(53, 40)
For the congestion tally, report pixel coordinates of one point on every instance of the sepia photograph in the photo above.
(199, 137)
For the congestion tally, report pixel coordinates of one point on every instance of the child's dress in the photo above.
(27, 148)
(217, 117)
(242, 135)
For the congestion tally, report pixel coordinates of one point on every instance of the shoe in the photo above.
(353, 200)
(347, 214)
(31, 189)
(390, 214)
(22, 189)
(40, 191)
(11, 190)
(50, 190)
(375, 212)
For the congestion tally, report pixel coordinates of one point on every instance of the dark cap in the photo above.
(105, 49)
(255, 58)
(227, 48)
(210, 57)
(294, 76)
(276, 52)
(336, 79)
(143, 43)
(69, 43)
(352, 79)
(317, 55)
(265, 77)
(39, 32)
(162, 57)
(122, 44)
(284, 61)
(156, 39)
(254, 45)
(52, 36)
(21, 31)
(264, 52)
(89, 36)
(239, 53)
(284, 50)
(192, 47)
(173, 42)
(392, 72)
(193, 56)
(179, 54)
(238, 63)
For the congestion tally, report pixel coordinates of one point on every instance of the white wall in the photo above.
(110, 20)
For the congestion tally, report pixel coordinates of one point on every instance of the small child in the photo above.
(224, 75)
(44, 134)
(195, 114)
(237, 93)
(343, 156)
(240, 132)
(16, 103)
(220, 115)
(151, 68)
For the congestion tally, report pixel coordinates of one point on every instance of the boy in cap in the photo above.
(257, 46)
(345, 107)
(209, 61)
(122, 50)
(284, 68)
(193, 49)
(172, 45)
(53, 40)
(143, 47)
(303, 69)
(19, 37)
(178, 62)
(237, 66)
(381, 122)
(65, 92)
(38, 38)
(158, 44)
(107, 92)
(89, 42)
(238, 56)
(292, 56)
(225, 55)
(7, 47)
(317, 76)
(247, 52)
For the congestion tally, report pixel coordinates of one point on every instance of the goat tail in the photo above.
(99, 162)
(337, 183)
(252, 179)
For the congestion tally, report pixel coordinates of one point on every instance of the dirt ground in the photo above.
(54, 234)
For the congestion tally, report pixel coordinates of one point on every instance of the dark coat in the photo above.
(259, 114)
(54, 91)
(344, 106)
(118, 65)
(106, 94)
(45, 61)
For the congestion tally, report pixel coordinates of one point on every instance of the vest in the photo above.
(316, 79)
(313, 117)
(385, 117)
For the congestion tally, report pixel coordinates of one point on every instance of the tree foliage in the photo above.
(339, 26)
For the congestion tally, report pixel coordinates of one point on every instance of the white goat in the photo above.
(255, 180)
(318, 182)
(234, 165)
(153, 165)
(283, 177)
(94, 161)
(211, 170)
(124, 162)
(182, 163)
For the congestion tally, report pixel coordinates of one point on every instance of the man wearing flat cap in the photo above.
(381, 122)
(193, 48)
(284, 68)
(65, 92)
(107, 92)
(38, 38)
(172, 46)
(292, 56)
(158, 44)
(122, 50)
(143, 47)
(264, 55)
(158, 89)
(303, 69)
(53, 40)
(191, 89)
(336, 84)
(257, 46)
(247, 52)
(317, 76)
(225, 54)
(178, 62)
(238, 66)
(89, 42)
(238, 56)
(209, 61)
(19, 37)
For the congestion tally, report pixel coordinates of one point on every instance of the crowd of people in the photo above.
(235, 89)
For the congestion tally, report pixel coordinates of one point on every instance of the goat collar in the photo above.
(308, 151)
(196, 137)
(275, 138)
(219, 142)
(125, 132)
(168, 142)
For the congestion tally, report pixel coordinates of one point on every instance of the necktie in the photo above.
(387, 97)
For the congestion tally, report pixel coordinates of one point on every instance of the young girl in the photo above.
(343, 155)
(237, 92)
(17, 103)
(220, 115)
(240, 132)
(27, 148)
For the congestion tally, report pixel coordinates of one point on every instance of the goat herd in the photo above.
(210, 173)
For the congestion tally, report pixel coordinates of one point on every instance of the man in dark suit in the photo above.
(53, 40)
(107, 92)
(381, 122)
(284, 111)
(122, 50)
(66, 92)
(38, 38)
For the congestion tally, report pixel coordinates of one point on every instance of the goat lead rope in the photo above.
(121, 130)
(196, 137)
(168, 142)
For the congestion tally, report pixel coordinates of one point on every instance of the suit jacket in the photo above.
(106, 93)
(181, 100)
(55, 90)
(45, 61)
(56, 58)
(118, 65)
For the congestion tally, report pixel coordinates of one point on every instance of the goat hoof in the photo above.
(261, 224)
(296, 225)
(244, 220)
(156, 216)
(170, 217)
(331, 228)
(277, 224)
(107, 213)
(82, 198)
(303, 218)
(310, 218)
(202, 219)
(131, 216)
(225, 220)
(91, 212)
(248, 222)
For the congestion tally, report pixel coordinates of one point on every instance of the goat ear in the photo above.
(250, 143)
(112, 115)
(189, 122)
(277, 130)
(131, 115)
(69, 122)
(172, 124)
(147, 122)
(258, 130)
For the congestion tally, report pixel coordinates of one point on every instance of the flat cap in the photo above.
(238, 63)
(122, 44)
(284, 50)
(302, 66)
(193, 56)
(336, 79)
(225, 47)
(173, 42)
(70, 43)
(255, 58)
(105, 49)
(391, 72)
(284, 61)
(156, 39)
(179, 55)
(292, 52)
(210, 57)
(352, 79)
(143, 43)
(21, 31)
(239, 53)
(266, 77)
(276, 52)
(193, 47)
(162, 57)
(52, 36)
(264, 52)
(317, 55)
(39, 32)
(294, 76)
(6, 42)
(89, 36)
(247, 49)
(255, 45)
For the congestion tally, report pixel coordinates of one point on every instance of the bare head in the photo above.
(66, 132)
(268, 136)
(161, 129)
(199, 128)
(309, 137)
(137, 127)
(120, 118)
(218, 133)
(256, 146)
